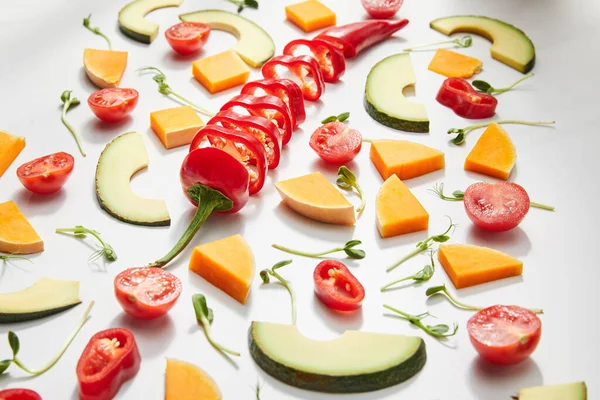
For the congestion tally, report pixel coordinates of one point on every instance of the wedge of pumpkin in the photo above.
(185, 381)
(105, 68)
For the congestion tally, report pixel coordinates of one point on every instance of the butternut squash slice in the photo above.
(454, 65)
(185, 381)
(405, 159)
(494, 154)
(10, 148)
(17, 236)
(105, 68)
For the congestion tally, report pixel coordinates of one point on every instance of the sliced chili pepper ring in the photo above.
(331, 60)
(287, 90)
(465, 101)
(336, 287)
(301, 67)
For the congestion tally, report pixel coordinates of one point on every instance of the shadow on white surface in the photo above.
(314, 229)
(320, 165)
(101, 132)
(486, 378)
(34, 204)
(514, 242)
(338, 321)
(174, 60)
(197, 330)
(398, 241)
(216, 298)
(146, 332)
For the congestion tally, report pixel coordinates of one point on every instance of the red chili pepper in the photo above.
(287, 90)
(459, 95)
(244, 147)
(302, 67)
(270, 107)
(353, 38)
(259, 127)
(331, 60)
(110, 358)
(336, 287)
(19, 394)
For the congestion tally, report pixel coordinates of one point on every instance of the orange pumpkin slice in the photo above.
(185, 381)
(105, 68)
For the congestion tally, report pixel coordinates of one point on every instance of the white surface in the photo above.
(41, 45)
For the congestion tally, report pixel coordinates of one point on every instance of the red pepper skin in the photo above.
(301, 67)
(331, 60)
(19, 394)
(353, 38)
(242, 146)
(464, 100)
(270, 107)
(332, 287)
(99, 377)
(287, 90)
(261, 128)
(219, 170)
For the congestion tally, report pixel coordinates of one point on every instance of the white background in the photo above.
(41, 46)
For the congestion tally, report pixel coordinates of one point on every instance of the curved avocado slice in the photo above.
(384, 100)
(568, 391)
(119, 161)
(133, 23)
(44, 298)
(511, 45)
(255, 46)
(355, 362)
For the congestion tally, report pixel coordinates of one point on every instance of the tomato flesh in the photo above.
(336, 143)
(496, 207)
(187, 37)
(336, 287)
(46, 175)
(382, 8)
(505, 335)
(113, 104)
(19, 394)
(147, 293)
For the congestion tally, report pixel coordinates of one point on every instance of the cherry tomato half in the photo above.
(113, 104)
(19, 394)
(382, 8)
(46, 175)
(496, 207)
(187, 37)
(336, 143)
(147, 293)
(504, 335)
(336, 287)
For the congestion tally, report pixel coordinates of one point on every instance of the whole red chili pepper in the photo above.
(19, 394)
(302, 67)
(270, 107)
(464, 100)
(259, 127)
(353, 38)
(331, 60)
(246, 148)
(336, 287)
(287, 90)
(110, 358)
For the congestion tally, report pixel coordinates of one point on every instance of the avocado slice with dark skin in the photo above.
(133, 24)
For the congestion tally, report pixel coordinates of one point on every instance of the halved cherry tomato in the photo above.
(336, 143)
(187, 37)
(19, 394)
(113, 104)
(382, 8)
(336, 287)
(147, 293)
(46, 175)
(504, 334)
(496, 207)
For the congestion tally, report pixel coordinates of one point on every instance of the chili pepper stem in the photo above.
(207, 332)
(304, 254)
(195, 106)
(71, 129)
(405, 258)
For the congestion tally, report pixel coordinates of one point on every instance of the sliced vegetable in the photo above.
(458, 95)
(382, 8)
(110, 359)
(504, 335)
(106, 250)
(105, 68)
(347, 181)
(462, 41)
(454, 65)
(439, 331)
(48, 174)
(264, 275)
(462, 132)
(205, 316)
(336, 287)
(336, 143)
(10, 148)
(422, 275)
(485, 87)
(567, 391)
(185, 381)
(493, 155)
(113, 104)
(147, 293)
(301, 67)
(405, 159)
(133, 23)
(348, 248)
(69, 102)
(176, 126)
(19, 394)
(496, 207)
(188, 37)
(310, 16)
(220, 71)
(17, 236)
(286, 89)
(331, 60)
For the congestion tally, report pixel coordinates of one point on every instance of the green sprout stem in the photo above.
(81, 232)
(423, 275)
(489, 89)
(6, 257)
(216, 345)
(86, 24)
(348, 248)
(462, 132)
(438, 331)
(462, 41)
(347, 181)
(205, 316)
(264, 274)
(67, 103)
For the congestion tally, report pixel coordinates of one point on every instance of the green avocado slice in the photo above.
(355, 362)
(133, 23)
(568, 391)
(510, 45)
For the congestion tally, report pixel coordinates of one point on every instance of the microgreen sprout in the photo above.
(347, 180)
(264, 275)
(86, 23)
(161, 79)
(424, 245)
(348, 248)
(462, 41)
(13, 341)
(485, 87)
(443, 291)
(423, 275)
(205, 316)
(69, 102)
(106, 250)
(244, 3)
(7, 257)
(462, 132)
(437, 331)
(340, 118)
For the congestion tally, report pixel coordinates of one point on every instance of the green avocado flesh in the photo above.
(119, 161)
(133, 23)
(44, 298)
(354, 362)
(568, 391)
(511, 45)
(384, 100)
(255, 46)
